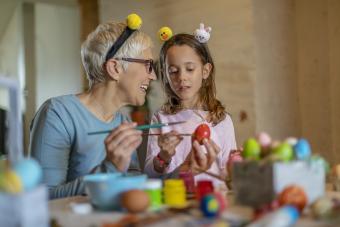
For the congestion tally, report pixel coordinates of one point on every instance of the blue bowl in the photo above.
(105, 189)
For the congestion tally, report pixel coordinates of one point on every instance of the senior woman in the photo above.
(118, 62)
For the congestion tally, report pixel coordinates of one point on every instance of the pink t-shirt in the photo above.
(222, 134)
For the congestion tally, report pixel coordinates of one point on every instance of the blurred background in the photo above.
(277, 61)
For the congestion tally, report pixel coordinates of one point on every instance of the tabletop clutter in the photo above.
(280, 181)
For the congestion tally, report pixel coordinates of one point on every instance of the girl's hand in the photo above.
(197, 160)
(168, 143)
(121, 143)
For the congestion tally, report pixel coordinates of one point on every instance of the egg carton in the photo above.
(28, 208)
(256, 184)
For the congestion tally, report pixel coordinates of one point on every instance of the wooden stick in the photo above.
(227, 181)
(158, 134)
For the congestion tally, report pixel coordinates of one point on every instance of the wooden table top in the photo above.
(61, 211)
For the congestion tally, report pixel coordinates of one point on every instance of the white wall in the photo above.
(57, 50)
(11, 53)
(276, 98)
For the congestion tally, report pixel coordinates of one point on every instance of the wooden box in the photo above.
(256, 183)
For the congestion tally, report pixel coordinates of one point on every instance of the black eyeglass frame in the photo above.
(149, 62)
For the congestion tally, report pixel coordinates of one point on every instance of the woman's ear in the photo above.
(206, 70)
(113, 69)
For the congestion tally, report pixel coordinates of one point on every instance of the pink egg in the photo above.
(264, 139)
(234, 156)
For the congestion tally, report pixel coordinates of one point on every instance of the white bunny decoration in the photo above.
(202, 34)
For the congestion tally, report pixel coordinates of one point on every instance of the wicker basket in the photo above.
(258, 184)
(29, 208)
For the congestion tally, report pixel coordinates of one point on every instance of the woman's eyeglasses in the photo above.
(148, 63)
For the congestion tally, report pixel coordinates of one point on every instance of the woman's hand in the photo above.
(121, 143)
(167, 143)
(197, 160)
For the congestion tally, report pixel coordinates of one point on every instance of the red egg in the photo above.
(293, 195)
(202, 132)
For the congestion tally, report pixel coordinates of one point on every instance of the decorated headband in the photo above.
(134, 22)
(202, 34)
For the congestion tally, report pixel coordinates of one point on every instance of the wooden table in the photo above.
(61, 211)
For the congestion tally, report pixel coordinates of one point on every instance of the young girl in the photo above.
(187, 73)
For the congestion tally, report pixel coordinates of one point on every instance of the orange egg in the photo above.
(293, 195)
(135, 201)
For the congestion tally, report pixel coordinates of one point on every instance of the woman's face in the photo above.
(185, 73)
(135, 81)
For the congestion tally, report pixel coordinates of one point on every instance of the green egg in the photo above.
(251, 149)
(317, 159)
(284, 152)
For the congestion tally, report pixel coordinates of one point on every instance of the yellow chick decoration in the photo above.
(134, 21)
(165, 33)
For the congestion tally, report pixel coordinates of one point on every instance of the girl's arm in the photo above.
(152, 151)
(227, 135)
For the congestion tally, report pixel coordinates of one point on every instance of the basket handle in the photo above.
(15, 137)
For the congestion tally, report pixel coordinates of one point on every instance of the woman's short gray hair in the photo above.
(98, 43)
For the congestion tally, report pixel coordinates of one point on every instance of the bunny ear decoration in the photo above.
(201, 26)
(202, 34)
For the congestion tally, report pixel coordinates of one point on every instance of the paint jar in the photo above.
(189, 181)
(204, 187)
(154, 189)
(174, 193)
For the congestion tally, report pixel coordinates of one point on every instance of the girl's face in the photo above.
(135, 81)
(185, 73)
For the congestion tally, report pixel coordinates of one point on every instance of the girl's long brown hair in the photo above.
(207, 92)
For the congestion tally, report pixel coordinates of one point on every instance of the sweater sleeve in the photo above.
(50, 144)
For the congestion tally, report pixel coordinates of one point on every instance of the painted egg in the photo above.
(284, 152)
(264, 139)
(291, 140)
(10, 182)
(322, 207)
(302, 149)
(29, 172)
(318, 160)
(251, 149)
(233, 157)
(210, 206)
(135, 200)
(293, 195)
(202, 132)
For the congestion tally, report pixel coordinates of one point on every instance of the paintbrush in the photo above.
(158, 134)
(227, 181)
(142, 127)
